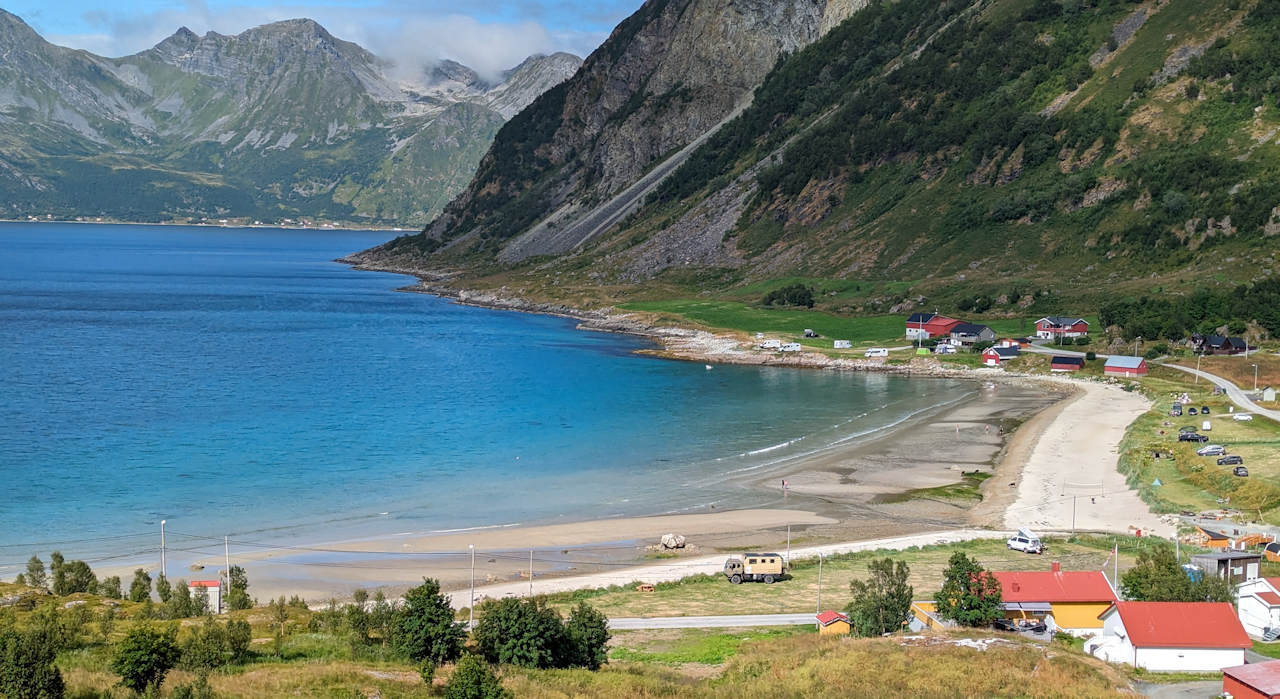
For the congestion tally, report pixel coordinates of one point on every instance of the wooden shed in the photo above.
(831, 623)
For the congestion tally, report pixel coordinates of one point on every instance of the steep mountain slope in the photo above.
(999, 149)
(281, 120)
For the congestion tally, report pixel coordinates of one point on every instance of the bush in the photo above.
(238, 589)
(522, 632)
(199, 689)
(144, 656)
(474, 679)
(239, 636)
(1084, 340)
(880, 605)
(793, 295)
(140, 588)
(970, 595)
(424, 628)
(1090, 356)
(428, 672)
(208, 647)
(588, 632)
(26, 666)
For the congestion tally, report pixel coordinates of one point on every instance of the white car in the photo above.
(1212, 450)
(1025, 541)
(1242, 417)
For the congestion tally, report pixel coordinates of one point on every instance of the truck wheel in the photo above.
(768, 579)
(736, 579)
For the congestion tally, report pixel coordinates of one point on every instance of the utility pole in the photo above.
(531, 572)
(1116, 564)
(1255, 378)
(162, 562)
(471, 608)
(1199, 356)
(819, 610)
(226, 550)
(1074, 498)
(788, 544)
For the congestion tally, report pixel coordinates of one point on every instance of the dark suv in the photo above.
(1241, 471)
(1231, 460)
(1193, 437)
(1204, 410)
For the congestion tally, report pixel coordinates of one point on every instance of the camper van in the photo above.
(876, 352)
(842, 344)
(791, 347)
(1206, 427)
(755, 567)
(771, 344)
(1026, 541)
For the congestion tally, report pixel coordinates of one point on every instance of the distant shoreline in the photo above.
(236, 226)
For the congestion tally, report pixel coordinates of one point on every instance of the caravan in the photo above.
(1026, 541)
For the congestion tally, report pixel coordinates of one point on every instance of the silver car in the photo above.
(1212, 450)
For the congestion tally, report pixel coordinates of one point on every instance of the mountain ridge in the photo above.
(280, 121)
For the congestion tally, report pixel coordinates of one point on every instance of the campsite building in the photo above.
(1054, 327)
(1171, 636)
(1235, 566)
(1066, 364)
(922, 326)
(1121, 365)
(1258, 605)
(970, 334)
(212, 588)
(1074, 598)
(1252, 681)
(992, 356)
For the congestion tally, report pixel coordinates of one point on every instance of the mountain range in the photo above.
(894, 154)
(280, 121)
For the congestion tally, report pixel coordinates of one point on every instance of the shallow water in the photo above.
(239, 382)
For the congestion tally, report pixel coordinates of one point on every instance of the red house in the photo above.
(923, 326)
(1256, 681)
(1118, 365)
(1066, 364)
(1054, 327)
(994, 355)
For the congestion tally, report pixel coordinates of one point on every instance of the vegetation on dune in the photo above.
(882, 603)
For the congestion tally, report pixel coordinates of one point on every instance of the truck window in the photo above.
(752, 561)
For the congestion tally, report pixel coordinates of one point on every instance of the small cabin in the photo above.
(831, 623)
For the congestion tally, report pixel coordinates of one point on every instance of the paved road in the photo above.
(710, 622)
(1181, 690)
(1236, 395)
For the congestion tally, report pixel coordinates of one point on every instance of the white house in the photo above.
(1258, 605)
(1171, 636)
(212, 588)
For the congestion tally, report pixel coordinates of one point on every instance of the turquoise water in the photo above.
(239, 382)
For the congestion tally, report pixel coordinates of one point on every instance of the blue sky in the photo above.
(488, 35)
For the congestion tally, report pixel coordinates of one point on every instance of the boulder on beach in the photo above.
(672, 541)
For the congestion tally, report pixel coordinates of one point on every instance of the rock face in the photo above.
(670, 73)
(280, 120)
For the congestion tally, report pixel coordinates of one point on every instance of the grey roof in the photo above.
(968, 329)
(1124, 362)
(1064, 320)
(1226, 556)
(921, 317)
(1078, 361)
(1006, 352)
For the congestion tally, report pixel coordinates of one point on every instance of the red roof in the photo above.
(1264, 677)
(829, 617)
(203, 583)
(1273, 582)
(1181, 624)
(1050, 586)
(1269, 597)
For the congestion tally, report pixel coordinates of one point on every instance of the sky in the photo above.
(487, 35)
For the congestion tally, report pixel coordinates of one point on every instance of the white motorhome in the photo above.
(771, 344)
(791, 347)
(842, 344)
(876, 352)
(1026, 541)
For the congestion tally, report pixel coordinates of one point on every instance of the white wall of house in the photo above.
(1255, 615)
(921, 333)
(1189, 659)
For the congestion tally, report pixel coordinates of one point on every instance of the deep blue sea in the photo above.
(240, 382)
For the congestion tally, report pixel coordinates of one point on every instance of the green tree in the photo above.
(970, 595)
(239, 636)
(357, 614)
(74, 577)
(110, 587)
(26, 666)
(882, 603)
(424, 628)
(140, 588)
(180, 605)
(107, 623)
(208, 647)
(145, 655)
(524, 632)
(474, 679)
(164, 590)
(278, 610)
(588, 635)
(36, 576)
(1157, 577)
(238, 589)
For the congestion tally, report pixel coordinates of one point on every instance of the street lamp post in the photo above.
(819, 611)
(471, 608)
(162, 565)
(1199, 356)
(1255, 378)
(1136, 341)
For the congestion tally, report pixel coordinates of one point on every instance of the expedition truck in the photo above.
(755, 567)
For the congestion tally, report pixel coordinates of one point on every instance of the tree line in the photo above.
(1203, 311)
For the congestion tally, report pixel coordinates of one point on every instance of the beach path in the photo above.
(1070, 481)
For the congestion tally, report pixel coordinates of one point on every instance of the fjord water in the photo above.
(240, 382)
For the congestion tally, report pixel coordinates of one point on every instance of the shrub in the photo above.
(1084, 340)
(424, 628)
(26, 666)
(208, 647)
(239, 636)
(970, 595)
(1090, 356)
(474, 679)
(793, 295)
(881, 604)
(238, 589)
(428, 672)
(588, 635)
(522, 632)
(144, 656)
(140, 588)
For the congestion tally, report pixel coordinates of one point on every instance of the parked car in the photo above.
(1212, 450)
(1231, 460)
(1025, 541)
(1176, 410)
(1193, 437)
(1242, 417)
(1191, 411)
(1204, 410)
(1241, 471)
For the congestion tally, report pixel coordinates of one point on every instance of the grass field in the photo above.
(1239, 370)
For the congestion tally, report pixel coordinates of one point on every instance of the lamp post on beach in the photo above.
(1255, 378)
(162, 566)
(471, 608)
(819, 610)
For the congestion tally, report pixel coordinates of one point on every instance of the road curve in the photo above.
(710, 622)
(1236, 395)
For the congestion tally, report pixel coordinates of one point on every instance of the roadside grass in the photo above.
(1271, 650)
(702, 646)
(1239, 370)
(714, 595)
(1192, 482)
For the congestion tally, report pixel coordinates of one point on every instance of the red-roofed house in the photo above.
(212, 589)
(1258, 605)
(1074, 598)
(923, 326)
(1171, 636)
(1053, 327)
(831, 623)
(1254, 681)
